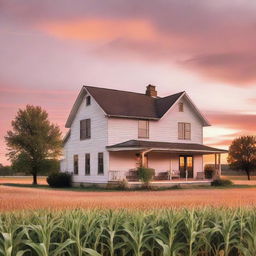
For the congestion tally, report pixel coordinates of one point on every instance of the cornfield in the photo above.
(181, 232)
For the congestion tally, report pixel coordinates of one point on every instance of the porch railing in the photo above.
(115, 175)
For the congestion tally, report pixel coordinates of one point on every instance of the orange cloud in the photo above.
(98, 29)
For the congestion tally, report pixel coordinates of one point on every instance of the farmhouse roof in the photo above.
(117, 103)
(158, 145)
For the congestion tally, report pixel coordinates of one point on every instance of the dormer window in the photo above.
(181, 107)
(88, 100)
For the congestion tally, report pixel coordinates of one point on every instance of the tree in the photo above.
(242, 154)
(33, 140)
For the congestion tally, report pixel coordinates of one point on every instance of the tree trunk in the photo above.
(34, 179)
(248, 174)
(34, 173)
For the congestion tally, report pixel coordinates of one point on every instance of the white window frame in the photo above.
(143, 132)
(184, 131)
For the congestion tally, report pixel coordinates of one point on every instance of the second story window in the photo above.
(181, 107)
(85, 129)
(88, 100)
(184, 131)
(75, 164)
(143, 129)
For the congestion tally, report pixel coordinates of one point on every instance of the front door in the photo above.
(186, 166)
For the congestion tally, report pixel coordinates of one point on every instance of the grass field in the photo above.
(21, 180)
(18, 198)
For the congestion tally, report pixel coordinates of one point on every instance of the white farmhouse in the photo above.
(114, 132)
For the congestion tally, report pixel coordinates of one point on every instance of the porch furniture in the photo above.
(200, 175)
(161, 176)
(132, 175)
(175, 174)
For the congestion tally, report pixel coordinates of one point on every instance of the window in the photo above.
(85, 129)
(88, 100)
(100, 163)
(87, 164)
(184, 131)
(143, 131)
(76, 164)
(181, 107)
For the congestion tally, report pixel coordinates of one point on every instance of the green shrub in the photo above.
(146, 174)
(209, 171)
(123, 184)
(221, 182)
(59, 180)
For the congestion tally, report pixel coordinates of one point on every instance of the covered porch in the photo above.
(174, 163)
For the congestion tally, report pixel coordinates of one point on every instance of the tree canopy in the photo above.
(242, 154)
(33, 140)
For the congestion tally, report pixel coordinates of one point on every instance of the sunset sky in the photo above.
(49, 49)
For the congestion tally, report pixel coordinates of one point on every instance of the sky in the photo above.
(49, 49)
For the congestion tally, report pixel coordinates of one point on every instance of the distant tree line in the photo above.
(49, 166)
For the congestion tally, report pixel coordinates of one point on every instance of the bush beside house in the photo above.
(59, 180)
(221, 183)
(209, 171)
(146, 175)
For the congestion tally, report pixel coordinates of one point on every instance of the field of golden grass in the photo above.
(21, 180)
(18, 198)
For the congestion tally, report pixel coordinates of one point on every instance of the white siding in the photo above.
(97, 143)
(108, 131)
(166, 129)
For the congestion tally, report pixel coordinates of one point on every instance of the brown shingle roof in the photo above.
(131, 104)
(167, 145)
(116, 103)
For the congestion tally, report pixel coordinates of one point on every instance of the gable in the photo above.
(116, 103)
(184, 98)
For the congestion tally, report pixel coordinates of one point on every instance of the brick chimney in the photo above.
(151, 91)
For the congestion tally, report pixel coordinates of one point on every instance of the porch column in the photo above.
(219, 165)
(143, 156)
(142, 159)
(215, 161)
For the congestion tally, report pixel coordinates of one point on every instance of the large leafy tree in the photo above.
(33, 140)
(242, 154)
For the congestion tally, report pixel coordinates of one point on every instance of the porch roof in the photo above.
(141, 145)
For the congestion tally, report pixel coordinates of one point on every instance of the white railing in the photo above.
(115, 175)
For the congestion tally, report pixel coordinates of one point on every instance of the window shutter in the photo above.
(187, 131)
(82, 129)
(88, 128)
(180, 131)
